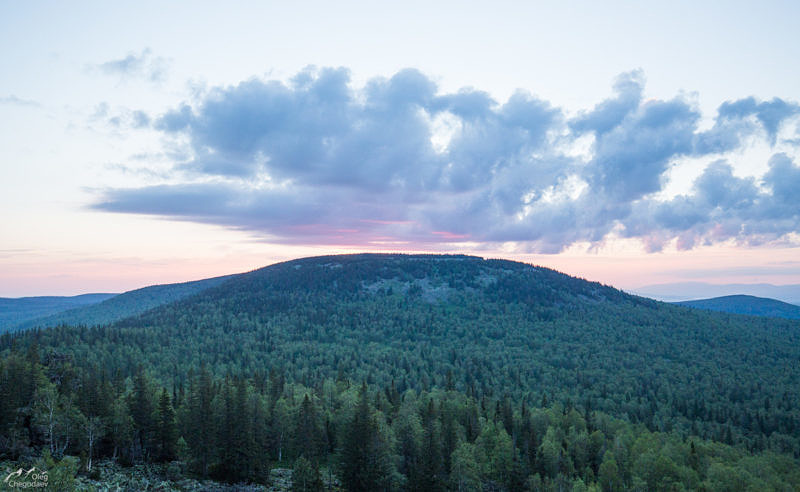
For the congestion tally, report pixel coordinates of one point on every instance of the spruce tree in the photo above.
(432, 465)
(165, 428)
(308, 436)
(243, 439)
(199, 429)
(141, 410)
(364, 463)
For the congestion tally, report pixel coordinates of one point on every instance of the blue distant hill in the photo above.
(740, 304)
(95, 309)
(689, 291)
(16, 311)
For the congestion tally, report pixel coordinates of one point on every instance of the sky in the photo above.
(631, 143)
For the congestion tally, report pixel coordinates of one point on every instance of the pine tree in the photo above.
(141, 410)
(408, 430)
(694, 460)
(260, 437)
(431, 473)
(199, 423)
(364, 463)
(507, 415)
(308, 436)
(449, 436)
(243, 438)
(165, 428)
(228, 468)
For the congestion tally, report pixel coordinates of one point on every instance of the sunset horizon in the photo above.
(361, 246)
(169, 159)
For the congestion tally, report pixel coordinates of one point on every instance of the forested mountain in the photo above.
(739, 304)
(422, 372)
(117, 307)
(15, 311)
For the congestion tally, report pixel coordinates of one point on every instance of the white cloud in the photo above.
(316, 160)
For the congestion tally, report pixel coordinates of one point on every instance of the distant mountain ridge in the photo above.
(119, 306)
(481, 326)
(741, 304)
(687, 291)
(16, 311)
(447, 355)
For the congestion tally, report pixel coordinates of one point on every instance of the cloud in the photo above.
(739, 119)
(143, 65)
(284, 215)
(722, 207)
(783, 179)
(315, 160)
(610, 113)
(13, 100)
(140, 119)
(120, 117)
(770, 114)
(630, 159)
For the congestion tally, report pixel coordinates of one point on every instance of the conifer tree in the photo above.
(199, 423)
(364, 463)
(432, 466)
(141, 410)
(308, 436)
(165, 427)
(243, 441)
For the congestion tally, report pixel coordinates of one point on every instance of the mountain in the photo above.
(756, 306)
(490, 327)
(15, 311)
(419, 372)
(686, 291)
(117, 307)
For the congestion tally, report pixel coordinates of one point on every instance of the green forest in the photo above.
(412, 372)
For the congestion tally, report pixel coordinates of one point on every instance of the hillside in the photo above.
(123, 305)
(456, 348)
(16, 311)
(739, 304)
(497, 327)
